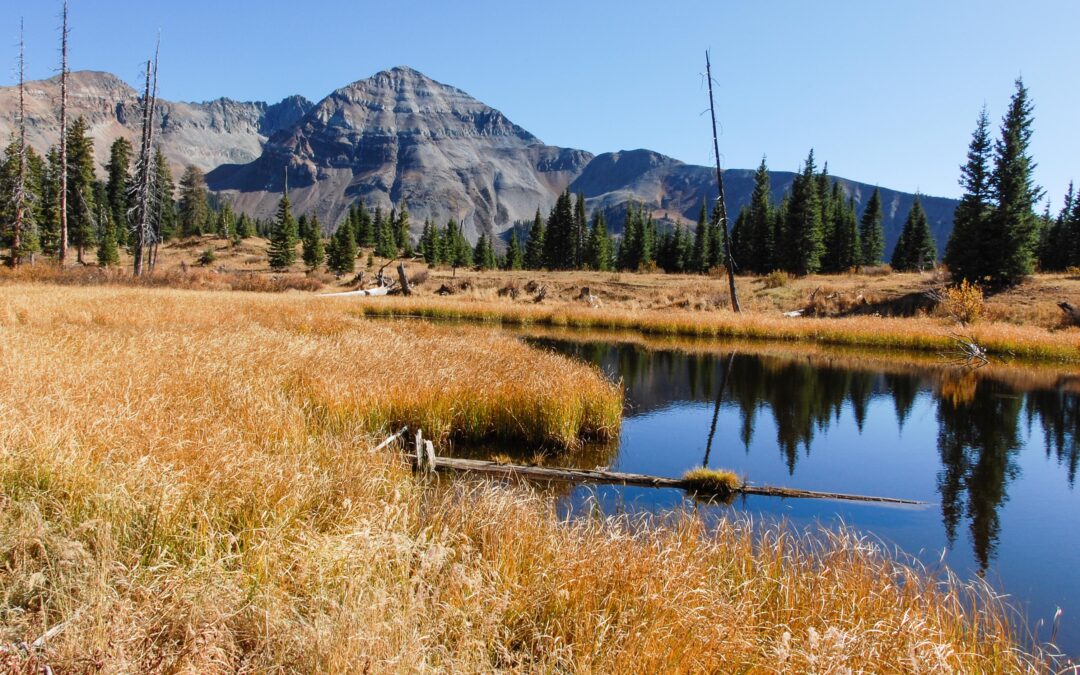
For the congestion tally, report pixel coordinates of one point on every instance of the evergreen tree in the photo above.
(404, 241)
(484, 254)
(871, 232)
(119, 180)
(742, 238)
(49, 223)
(80, 184)
(225, 226)
(1013, 229)
(515, 256)
(702, 241)
(915, 250)
(761, 226)
(385, 238)
(580, 232)
(534, 248)
(599, 251)
(365, 226)
(559, 240)
(314, 253)
(341, 252)
(803, 227)
(842, 250)
(194, 211)
(163, 212)
(108, 254)
(282, 253)
(964, 252)
(303, 228)
(245, 227)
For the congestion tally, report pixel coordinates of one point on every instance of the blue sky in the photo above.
(886, 92)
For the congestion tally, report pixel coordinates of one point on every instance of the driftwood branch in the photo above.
(391, 438)
(636, 479)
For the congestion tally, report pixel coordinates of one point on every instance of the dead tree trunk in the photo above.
(142, 194)
(721, 206)
(406, 288)
(63, 138)
(19, 198)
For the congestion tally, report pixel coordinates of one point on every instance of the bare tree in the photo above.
(63, 136)
(19, 197)
(144, 231)
(721, 207)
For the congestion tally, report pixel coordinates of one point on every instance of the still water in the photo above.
(994, 451)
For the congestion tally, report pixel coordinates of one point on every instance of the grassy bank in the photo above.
(919, 333)
(187, 485)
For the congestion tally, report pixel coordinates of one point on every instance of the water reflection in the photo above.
(978, 415)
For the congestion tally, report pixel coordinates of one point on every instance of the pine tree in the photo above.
(364, 226)
(762, 230)
(225, 226)
(559, 240)
(803, 228)
(341, 252)
(80, 188)
(163, 212)
(245, 227)
(915, 250)
(515, 256)
(702, 241)
(534, 248)
(193, 211)
(385, 237)
(303, 228)
(484, 253)
(49, 225)
(741, 238)
(842, 250)
(119, 180)
(283, 236)
(964, 252)
(599, 255)
(1013, 229)
(580, 232)
(871, 232)
(314, 254)
(404, 240)
(107, 252)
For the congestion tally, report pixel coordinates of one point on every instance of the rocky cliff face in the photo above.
(401, 137)
(203, 134)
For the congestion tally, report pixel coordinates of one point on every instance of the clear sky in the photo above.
(886, 92)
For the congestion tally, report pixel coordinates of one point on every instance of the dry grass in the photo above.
(714, 481)
(185, 480)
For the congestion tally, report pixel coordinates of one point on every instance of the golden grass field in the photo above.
(1022, 322)
(187, 484)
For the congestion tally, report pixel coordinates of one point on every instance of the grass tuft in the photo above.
(713, 481)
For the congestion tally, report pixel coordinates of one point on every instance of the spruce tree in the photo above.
(404, 239)
(163, 210)
(915, 250)
(194, 211)
(515, 256)
(314, 253)
(385, 237)
(803, 239)
(762, 230)
(365, 226)
(599, 251)
(225, 227)
(107, 252)
(964, 252)
(871, 232)
(341, 252)
(245, 227)
(1013, 227)
(119, 180)
(702, 241)
(80, 188)
(559, 240)
(580, 232)
(283, 236)
(534, 248)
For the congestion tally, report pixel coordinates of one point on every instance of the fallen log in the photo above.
(636, 479)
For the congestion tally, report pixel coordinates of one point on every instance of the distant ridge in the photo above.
(401, 137)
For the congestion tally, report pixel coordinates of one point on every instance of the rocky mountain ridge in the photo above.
(401, 137)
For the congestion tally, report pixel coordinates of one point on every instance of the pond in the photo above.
(994, 451)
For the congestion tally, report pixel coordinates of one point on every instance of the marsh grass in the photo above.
(719, 482)
(186, 480)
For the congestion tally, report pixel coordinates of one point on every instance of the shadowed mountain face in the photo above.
(672, 188)
(203, 134)
(401, 137)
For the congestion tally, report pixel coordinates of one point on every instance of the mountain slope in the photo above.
(669, 187)
(202, 134)
(399, 136)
